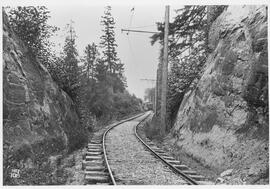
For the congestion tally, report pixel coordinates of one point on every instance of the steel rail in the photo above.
(186, 177)
(104, 146)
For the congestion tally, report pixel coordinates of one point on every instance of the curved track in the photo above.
(104, 147)
(97, 167)
(95, 163)
(169, 161)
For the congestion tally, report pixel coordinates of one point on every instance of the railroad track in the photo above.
(95, 164)
(191, 177)
(97, 168)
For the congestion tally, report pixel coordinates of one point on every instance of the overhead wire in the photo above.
(131, 17)
(130, 22)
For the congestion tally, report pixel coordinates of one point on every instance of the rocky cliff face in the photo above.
(224, 121)
(39, 119)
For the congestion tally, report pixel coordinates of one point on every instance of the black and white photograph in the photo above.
(120, 93)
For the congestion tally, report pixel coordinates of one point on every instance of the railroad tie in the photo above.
(95, 168)
(97, 141)
(189, 172)
(94, 150)
(154, 148)
(167, 157)
(197, 177)
(93, 157)
(181, 167)
(96, 173)
(174, 162)
(94, 153)
(94, 144)
(93, 179)
(205, 182)
(160, 152)
(92, 163)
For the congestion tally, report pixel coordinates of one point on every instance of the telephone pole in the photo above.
(165, 73)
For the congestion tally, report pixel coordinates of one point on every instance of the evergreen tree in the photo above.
(113, 66)
(90, 59)
(187, 32)
(70, 64)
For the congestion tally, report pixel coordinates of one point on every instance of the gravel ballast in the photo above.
(131, 163)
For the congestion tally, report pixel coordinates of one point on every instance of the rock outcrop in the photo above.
(39, 119)
(223, 122)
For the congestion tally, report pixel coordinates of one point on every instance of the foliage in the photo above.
(126, 104)
(110, 63)
(70, 66)
(89, 61)
(187, 52)
(153, 129)
(30, 24)
(105, 104)
(96, 81)
(187, 31)
(65, 69)
(102, 93)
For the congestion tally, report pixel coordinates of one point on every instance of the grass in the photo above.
(153, 129)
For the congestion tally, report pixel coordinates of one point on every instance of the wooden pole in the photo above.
(165, 73)
(156, 94)
(159, 81)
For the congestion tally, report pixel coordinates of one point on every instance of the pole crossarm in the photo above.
(139, 31)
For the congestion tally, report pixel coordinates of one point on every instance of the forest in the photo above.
(95, 81)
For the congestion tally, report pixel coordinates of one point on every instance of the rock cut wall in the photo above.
(39, 119)
(223, 122)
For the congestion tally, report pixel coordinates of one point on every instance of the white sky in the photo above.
(135, 51)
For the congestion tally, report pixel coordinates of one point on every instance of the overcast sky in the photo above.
(139, 57)
(135, 51)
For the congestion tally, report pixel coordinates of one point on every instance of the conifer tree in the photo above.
(70, 64)
(90, 59)
(113, 66)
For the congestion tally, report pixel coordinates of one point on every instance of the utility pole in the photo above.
(156, 94)
(164, 73)
(159, 87)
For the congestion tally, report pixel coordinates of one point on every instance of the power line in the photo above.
(130, 47)
(131, 16)
(130, 23)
